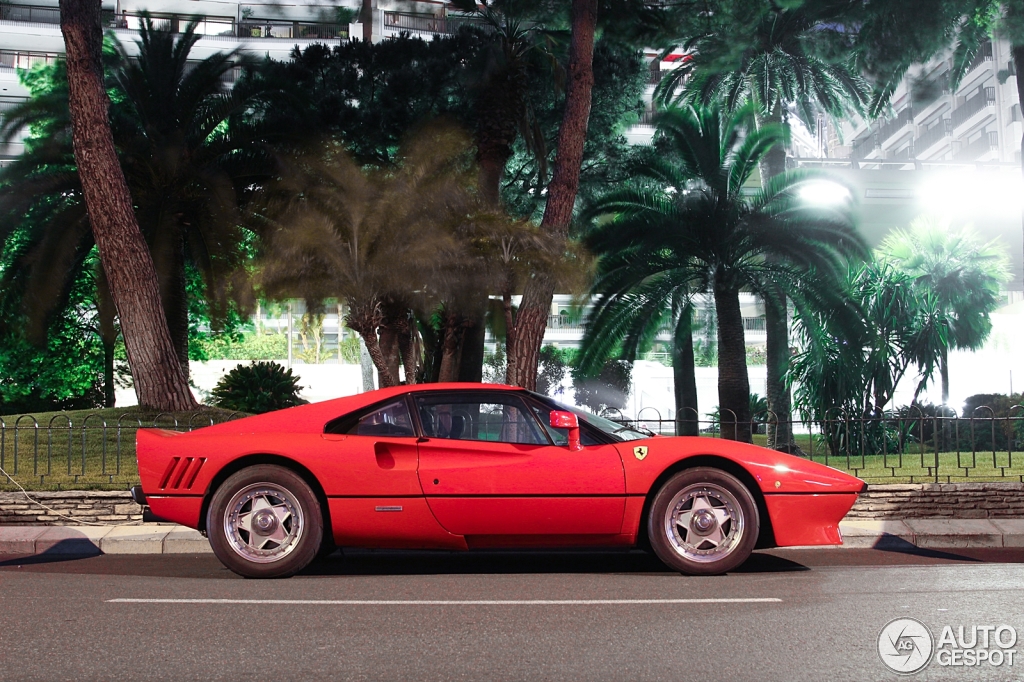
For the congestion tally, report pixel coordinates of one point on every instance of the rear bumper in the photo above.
(808, 519)
(182, 509)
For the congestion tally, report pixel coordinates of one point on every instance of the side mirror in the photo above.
(567, 420)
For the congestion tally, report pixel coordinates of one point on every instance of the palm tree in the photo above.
(373, 237)
(963, 273)
(184, 165)
(639, 294)
(688, 210)
(783, 64)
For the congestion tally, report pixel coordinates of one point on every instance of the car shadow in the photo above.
(392, 562)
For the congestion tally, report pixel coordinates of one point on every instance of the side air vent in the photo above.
(181, 473)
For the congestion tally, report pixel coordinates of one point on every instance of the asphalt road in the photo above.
(810, 615)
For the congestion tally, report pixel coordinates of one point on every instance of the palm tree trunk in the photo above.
(944, 373)
(1018, 63)
(684, 375)
(409, 349)
(780, 424)
(450, 348)
(471, 359)
(776, 321)
(385, 378)
(532, 318)
(388, 347)
(733, 384)
(159, 382)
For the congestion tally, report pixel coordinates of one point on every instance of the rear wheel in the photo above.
(703, 521)
(265, 522)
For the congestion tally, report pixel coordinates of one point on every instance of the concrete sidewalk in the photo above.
(157, 538)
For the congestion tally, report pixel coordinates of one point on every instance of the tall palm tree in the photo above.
(639, 294)
(184, 165)
(792, 58)
(689, 210)
(963, 273)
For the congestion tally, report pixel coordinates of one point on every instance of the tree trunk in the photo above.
(532, 318)
(159, 382)
(366, 18)
(776, 322)
(174, 296)
(944, 374)
(733, 384)
(471, 359)
(410, 351)
(450, 342)
(1018, 63)
(385, 378)
(684, 375)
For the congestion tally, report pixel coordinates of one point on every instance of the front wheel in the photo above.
(703, 521)
(265, 522)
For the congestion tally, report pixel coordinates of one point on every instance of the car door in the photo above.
(488, 468)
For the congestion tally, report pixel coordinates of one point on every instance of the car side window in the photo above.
(485, 418)
(392, 419)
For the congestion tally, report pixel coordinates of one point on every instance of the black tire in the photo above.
(283, 510)
(717, 537)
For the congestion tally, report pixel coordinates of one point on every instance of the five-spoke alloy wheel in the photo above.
(265, 522)
(703, 521)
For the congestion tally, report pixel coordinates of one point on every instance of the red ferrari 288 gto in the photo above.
(465, 466)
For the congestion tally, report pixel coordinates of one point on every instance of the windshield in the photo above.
(614, 429)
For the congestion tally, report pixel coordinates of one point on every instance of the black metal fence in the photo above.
(94, 451)
(75, 450)
(909, 446)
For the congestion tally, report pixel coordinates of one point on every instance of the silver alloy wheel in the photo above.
(263, 522)
(704, 523)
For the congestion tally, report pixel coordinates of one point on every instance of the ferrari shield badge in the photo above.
(640, 451)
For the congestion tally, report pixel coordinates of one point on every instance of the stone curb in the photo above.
(91, 540)
(156, 538)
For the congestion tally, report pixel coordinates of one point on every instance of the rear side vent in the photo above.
(181, 473)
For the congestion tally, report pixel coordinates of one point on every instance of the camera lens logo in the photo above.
(905, 646)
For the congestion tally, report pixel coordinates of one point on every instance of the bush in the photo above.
(257, 388)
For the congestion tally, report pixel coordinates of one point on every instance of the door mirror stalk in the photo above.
(567, 420)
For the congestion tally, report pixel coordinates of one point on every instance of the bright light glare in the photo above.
(823, 193)
(970, 193)
(782, 469)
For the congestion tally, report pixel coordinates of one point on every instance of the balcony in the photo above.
(291, 29)
(982, 59)
(894, 127)
(971, 152)
(30, 13)
(427, 23)
(984, 98)
(863, 147)
(933, 136)
(23, 59)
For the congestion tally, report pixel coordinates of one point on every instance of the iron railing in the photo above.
(70, 451)
(983, 97)
(75, 450)
(428, 23)
(910, 446)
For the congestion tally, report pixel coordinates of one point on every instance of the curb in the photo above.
(163, 538)
(93, 540)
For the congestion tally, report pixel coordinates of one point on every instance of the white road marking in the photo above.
(449, 602)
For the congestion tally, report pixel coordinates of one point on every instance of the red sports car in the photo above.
(465, 466)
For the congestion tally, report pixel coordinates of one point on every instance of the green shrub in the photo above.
(257, 388)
